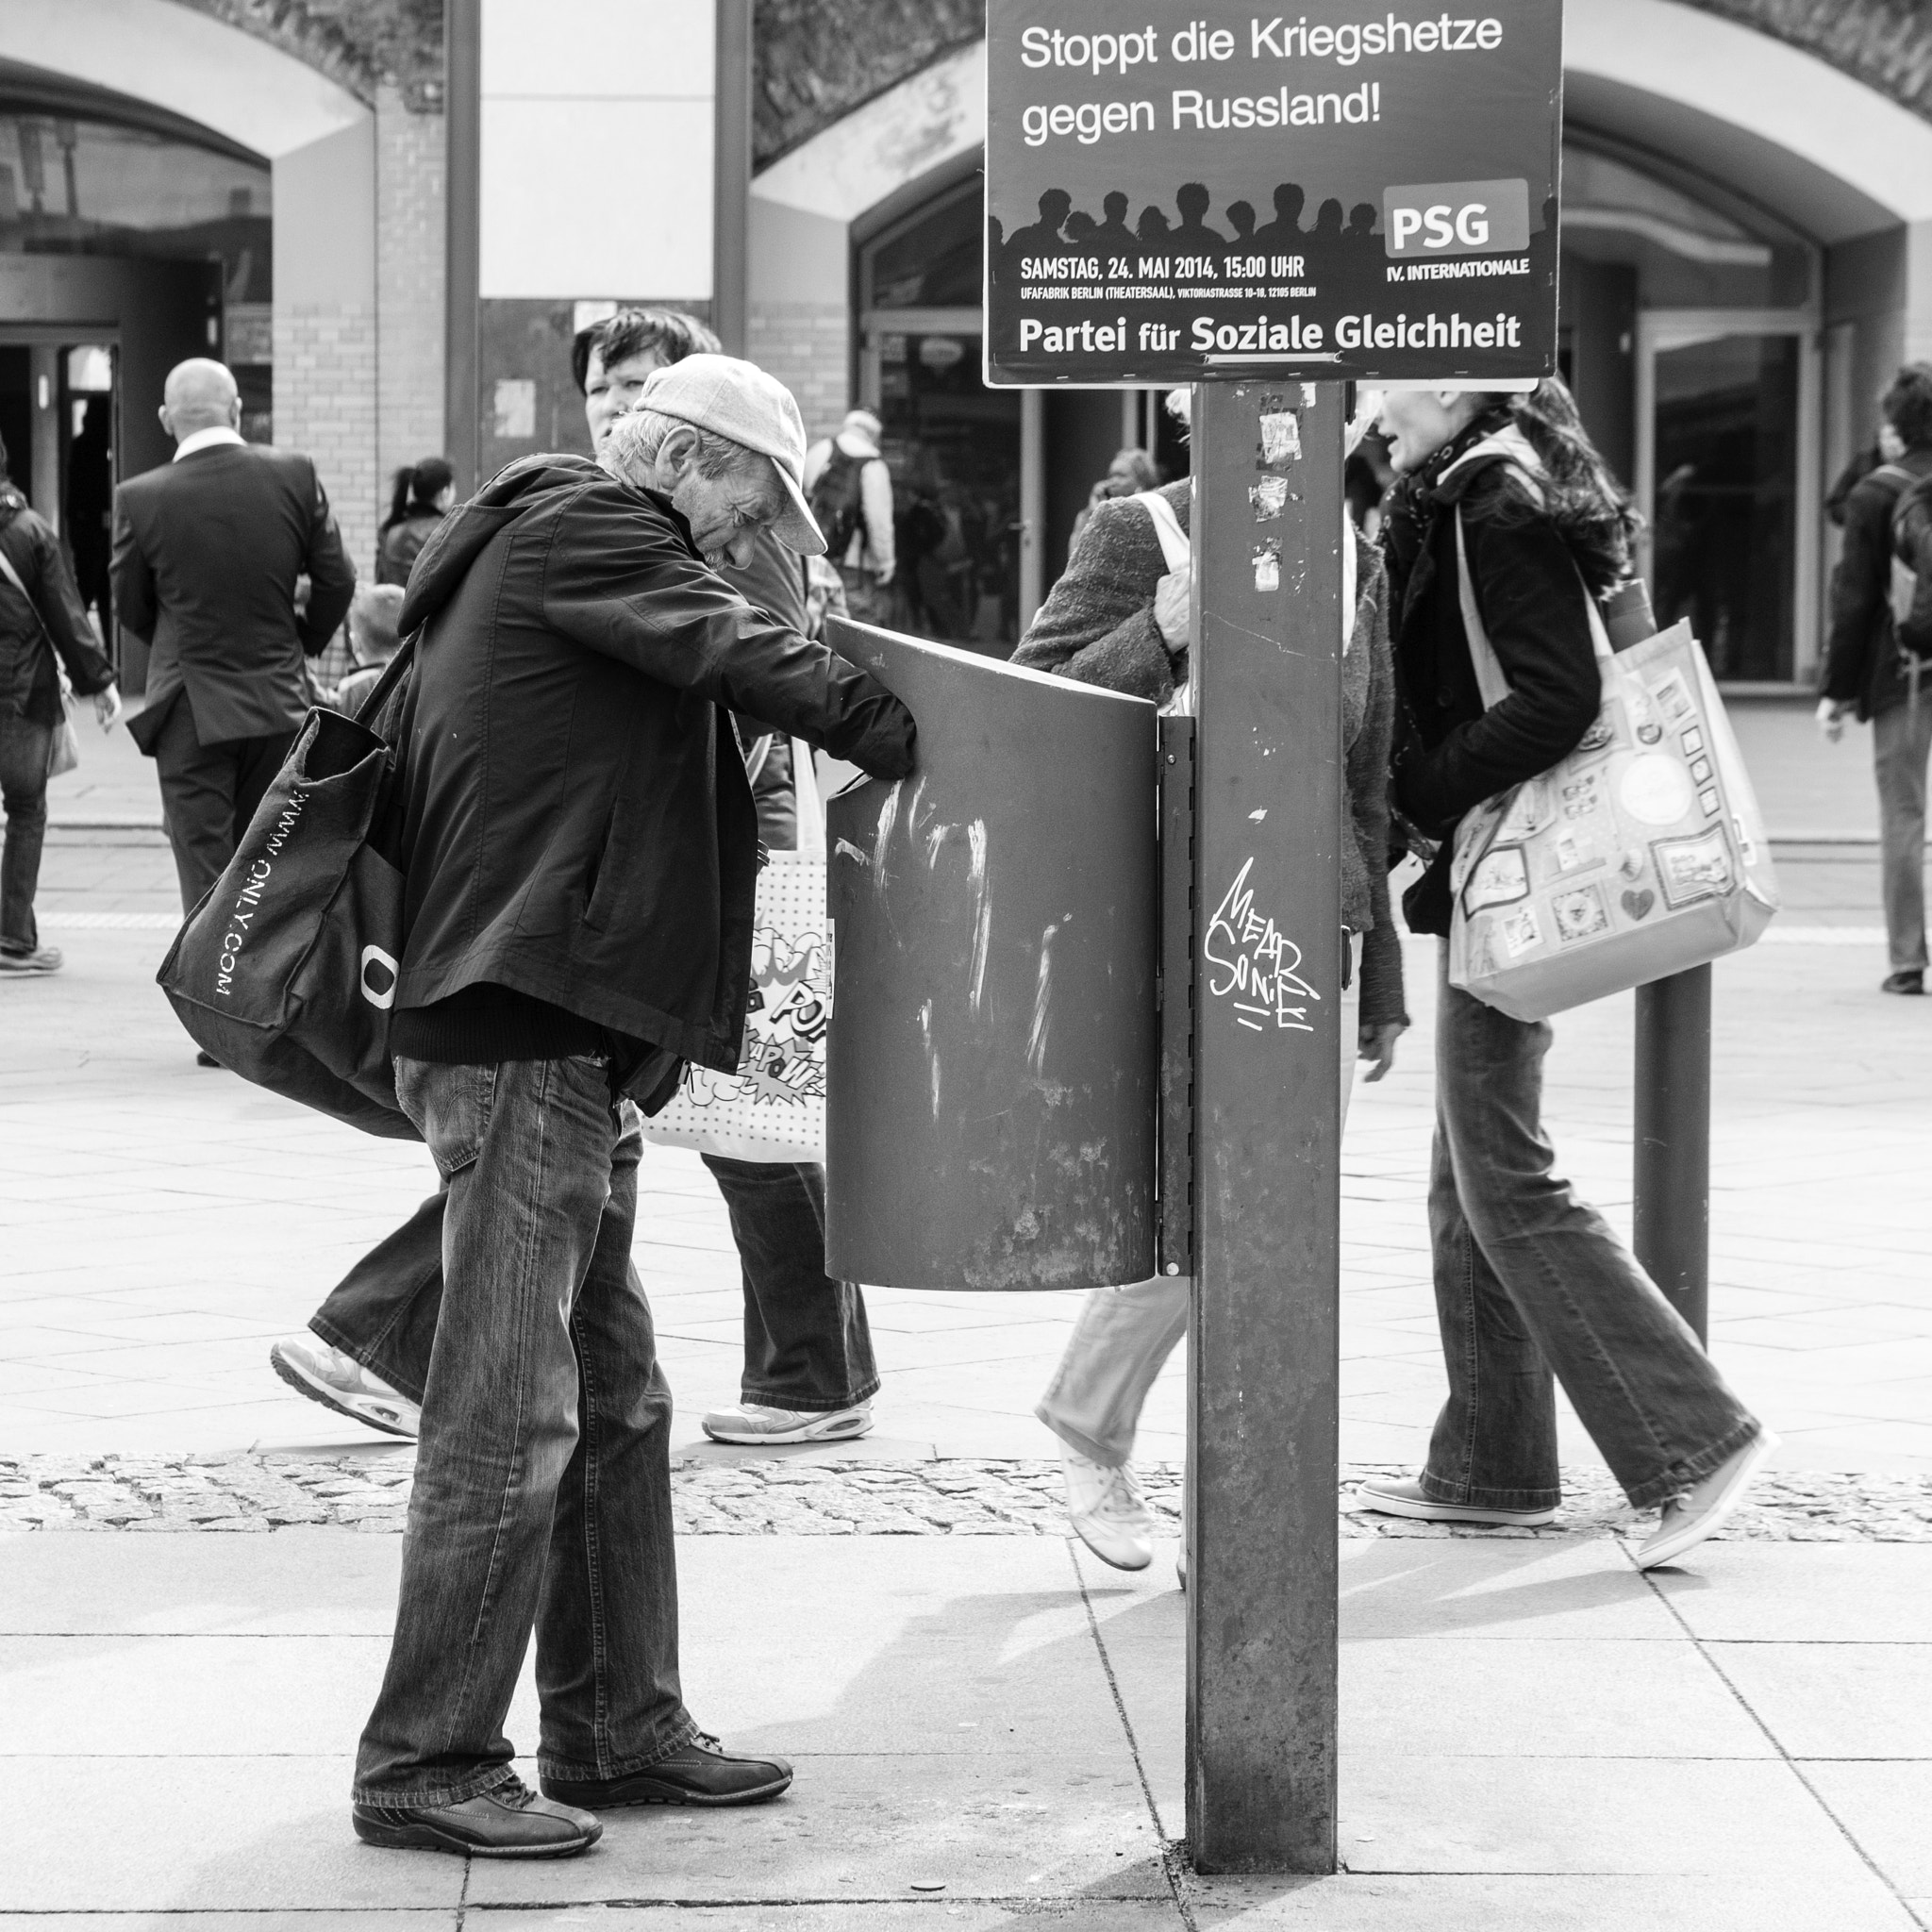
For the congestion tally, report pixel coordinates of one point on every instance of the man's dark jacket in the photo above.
(207, 551)
(1861, 658)
(576, 824)
(29, 678)
(1451, 754)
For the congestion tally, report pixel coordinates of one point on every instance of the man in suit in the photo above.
(206, 553)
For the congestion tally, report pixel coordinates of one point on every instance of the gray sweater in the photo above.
(1097, 625)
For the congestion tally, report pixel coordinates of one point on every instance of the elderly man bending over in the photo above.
(580, 848)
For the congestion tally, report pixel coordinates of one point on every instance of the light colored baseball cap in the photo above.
(739, 401)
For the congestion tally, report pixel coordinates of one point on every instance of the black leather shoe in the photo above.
(699, 1774)
(508, 1822)
(1907, 981)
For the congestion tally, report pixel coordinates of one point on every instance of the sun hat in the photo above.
(739, 401)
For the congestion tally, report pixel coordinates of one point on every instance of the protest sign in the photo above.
(1359, 192)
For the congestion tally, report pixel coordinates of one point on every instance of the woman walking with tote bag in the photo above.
(1531, 1286)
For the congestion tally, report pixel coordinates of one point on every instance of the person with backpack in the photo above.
(1502, 508)
(1879, 651)
(850, 491)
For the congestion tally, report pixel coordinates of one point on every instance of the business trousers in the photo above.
(208, 793)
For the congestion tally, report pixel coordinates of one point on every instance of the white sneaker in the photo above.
(40, 960)
(1691, 1516)
(322, 1373)
(754, 1422)
(1108, 1513)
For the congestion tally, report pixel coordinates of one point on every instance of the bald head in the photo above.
(200, 394)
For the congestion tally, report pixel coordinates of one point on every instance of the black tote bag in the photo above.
(286, 971)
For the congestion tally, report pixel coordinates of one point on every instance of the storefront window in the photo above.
(72, 187)
(1724, 522)
(952, 445)
(1686, 253)
(934, 261)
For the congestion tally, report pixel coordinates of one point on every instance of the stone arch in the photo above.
(284, 97)
(1826, 147)
(241, 86)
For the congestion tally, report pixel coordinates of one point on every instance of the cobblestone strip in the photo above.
(775, 1496)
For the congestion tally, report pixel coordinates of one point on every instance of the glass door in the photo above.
(952, 446)
(1728, 412)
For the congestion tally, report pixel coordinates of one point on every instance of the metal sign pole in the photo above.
(1262, 1406)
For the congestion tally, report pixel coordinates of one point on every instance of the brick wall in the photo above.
(325, 392)
(808, 347)
(409, 285)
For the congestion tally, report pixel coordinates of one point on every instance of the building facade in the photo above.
(1747, 253)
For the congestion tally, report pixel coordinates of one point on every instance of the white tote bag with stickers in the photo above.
(773, 1108)
(1640, 854)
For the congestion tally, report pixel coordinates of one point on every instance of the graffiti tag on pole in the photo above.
(1253, 965)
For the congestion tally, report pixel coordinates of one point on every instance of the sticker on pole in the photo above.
(1357, 193)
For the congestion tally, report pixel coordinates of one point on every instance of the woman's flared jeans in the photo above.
(1533, 1289)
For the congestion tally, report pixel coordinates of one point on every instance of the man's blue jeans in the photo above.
(1529, 1280)
(543, 1490)
(807, 1344)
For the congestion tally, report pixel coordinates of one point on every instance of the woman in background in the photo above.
(420, 496)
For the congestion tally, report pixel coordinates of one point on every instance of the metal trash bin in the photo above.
(991, 1082)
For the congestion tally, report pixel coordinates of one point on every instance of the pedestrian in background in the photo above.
(851, 493)
(420, 498)
(374, 637)
(808, 1373)
(1131, 471)
(44, 628)
(1871, 674)
(1529, 1280)
(1119, 617)
(208, 550)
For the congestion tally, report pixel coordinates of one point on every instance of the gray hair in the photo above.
(636, 438)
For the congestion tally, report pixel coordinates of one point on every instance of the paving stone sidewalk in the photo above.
(943, 1496)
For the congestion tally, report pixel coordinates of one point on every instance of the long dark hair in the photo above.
(1591, 510)
(415, 489)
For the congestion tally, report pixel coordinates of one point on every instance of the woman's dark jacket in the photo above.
(29, 679)
(1450, 753)
(400, 545)
(1097, 625)
(576, 822)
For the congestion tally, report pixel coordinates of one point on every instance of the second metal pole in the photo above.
(1671, 1153)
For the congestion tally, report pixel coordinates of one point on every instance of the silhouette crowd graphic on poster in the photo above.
(1348, 243)
(1182, 284)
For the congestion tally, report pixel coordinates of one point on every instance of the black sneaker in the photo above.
(509, 1821)
(1911, 980)
(702, 1772)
